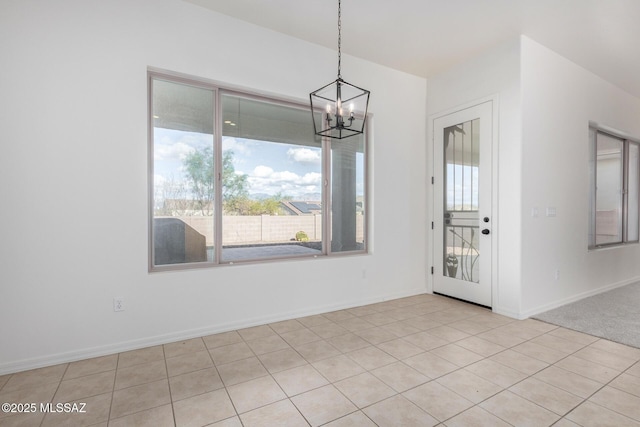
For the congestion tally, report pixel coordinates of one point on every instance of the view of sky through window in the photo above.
(272, 168)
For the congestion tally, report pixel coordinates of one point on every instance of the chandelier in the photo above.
(339, 109)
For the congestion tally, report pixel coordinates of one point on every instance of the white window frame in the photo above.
(219, 90)
(596, 129)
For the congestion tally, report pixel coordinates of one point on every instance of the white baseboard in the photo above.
(509, 313)
(574, 298)
(87, 353)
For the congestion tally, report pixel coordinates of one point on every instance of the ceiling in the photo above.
(425, 37)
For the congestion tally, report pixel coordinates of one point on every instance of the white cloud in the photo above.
(265, 180)
(262, 171)
(238, 147)
(312, 178)
(177, 151)
(304, 155)
(264, 175)
(285, 177)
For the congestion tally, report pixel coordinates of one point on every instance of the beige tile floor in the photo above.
(417, 361)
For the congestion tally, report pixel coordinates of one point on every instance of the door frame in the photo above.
(431, 214)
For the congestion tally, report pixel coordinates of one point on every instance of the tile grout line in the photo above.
(166, 368)
(338, 318)
(287, 397)
(584, 399)
(113, 390)
(55, 392)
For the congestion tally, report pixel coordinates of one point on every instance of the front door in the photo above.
(462, 204)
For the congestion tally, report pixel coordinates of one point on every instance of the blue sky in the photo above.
(272, 168)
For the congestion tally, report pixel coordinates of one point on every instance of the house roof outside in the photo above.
(302, 207)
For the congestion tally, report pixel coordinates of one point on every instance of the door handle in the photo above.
(485, 231)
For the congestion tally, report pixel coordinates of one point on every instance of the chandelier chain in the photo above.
(339, 38)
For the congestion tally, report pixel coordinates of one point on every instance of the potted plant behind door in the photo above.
(452, 265)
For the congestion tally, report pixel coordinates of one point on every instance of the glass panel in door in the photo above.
(461, 203)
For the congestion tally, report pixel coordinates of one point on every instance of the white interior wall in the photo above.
(495, 73)
(74, 180)
(545, 105)
(559, 100)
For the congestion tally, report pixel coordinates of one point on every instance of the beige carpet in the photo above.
(614, 315)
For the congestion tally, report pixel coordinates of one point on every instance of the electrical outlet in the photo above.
(556, 274)
(118, 304)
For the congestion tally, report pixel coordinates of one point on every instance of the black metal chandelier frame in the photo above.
(337, 121)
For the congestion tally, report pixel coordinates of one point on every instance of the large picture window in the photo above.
(237, 177)
(614, 173)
